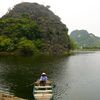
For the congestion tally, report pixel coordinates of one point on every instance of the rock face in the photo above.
(53, 31)
(85, 39)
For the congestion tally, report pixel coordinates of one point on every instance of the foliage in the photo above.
(73, 44)
(33, 28)
(85, 40)
(39, 43)
(12, 30)
(6, 44)
(19, 28)
(26, 47)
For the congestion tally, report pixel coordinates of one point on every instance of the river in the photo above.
(77, 77)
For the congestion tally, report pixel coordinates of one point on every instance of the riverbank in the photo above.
(45, 54)
(6, 53)
(4, 96)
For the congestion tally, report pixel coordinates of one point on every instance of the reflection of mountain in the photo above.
(85, 39)
(17, 73)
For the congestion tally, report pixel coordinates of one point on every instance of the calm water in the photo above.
(76, 77)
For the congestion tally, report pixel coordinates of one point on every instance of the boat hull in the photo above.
(43, 92)
(43, 96)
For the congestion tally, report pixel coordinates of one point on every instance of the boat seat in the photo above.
(43, 91)
(43, 87)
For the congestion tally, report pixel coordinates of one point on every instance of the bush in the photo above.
(38, 43)
(6, 44)
(26, 47)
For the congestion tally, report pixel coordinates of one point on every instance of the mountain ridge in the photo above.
(47, 27)
(85, 39)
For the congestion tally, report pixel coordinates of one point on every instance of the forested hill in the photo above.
(33, 27)
(85, 39)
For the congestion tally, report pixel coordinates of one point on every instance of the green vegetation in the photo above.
(85, 40)
(18, 34)
(6, 44)
(19, 28)
(26, 47)
(73, 44)
(30, 28)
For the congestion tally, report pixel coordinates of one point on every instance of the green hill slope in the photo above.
(34, 28)
(85, 39)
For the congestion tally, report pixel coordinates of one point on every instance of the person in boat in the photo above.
(43, 79)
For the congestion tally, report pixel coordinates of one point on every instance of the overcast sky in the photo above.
(76, 14)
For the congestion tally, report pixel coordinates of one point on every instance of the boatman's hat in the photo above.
(43, 73)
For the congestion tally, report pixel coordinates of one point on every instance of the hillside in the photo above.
(34, 26)
(85, 39)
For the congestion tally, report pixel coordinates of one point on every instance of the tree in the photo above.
(19, 27)
(73, 44)
(6, 44)
(26, 47)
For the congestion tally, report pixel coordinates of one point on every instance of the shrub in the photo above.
(6, 44)
(26, 47)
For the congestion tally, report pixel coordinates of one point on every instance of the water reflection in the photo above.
(76, 77)
(18, 72)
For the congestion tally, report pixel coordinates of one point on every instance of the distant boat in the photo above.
(43, 92)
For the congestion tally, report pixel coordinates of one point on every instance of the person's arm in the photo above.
(40, 78)
(46, 78)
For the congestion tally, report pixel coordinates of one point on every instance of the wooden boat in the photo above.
(43, 92)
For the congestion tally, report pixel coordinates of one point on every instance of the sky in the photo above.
(75, 14)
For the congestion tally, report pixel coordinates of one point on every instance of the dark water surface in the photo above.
(76, 77)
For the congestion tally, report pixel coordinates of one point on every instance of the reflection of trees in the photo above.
(16, 75)
(19, 72)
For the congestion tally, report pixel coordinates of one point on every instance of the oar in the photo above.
(30, 84)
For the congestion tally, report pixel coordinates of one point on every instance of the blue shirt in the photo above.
(43, 78)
